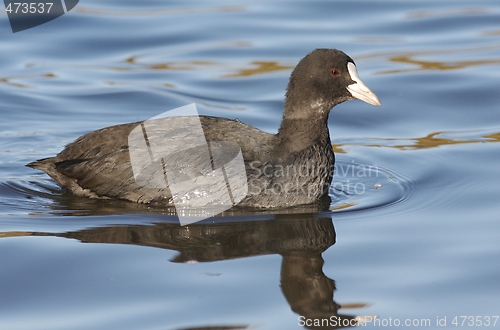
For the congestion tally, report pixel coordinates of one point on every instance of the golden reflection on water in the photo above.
(10, 80)
(430, 141)
(258, 67)
(342, 206)
(436, 65)
(491, 33)
(128, 83)
(173, 66)
(15, 234)
(262, 67)
(411, 57)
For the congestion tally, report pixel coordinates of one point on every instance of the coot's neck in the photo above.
(304, 125)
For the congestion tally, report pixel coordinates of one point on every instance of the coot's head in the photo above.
(323, 79)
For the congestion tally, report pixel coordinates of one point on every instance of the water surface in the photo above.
(415, 239)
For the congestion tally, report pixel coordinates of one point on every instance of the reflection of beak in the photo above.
(359, 90)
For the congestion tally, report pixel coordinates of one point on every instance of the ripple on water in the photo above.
(360, 186)
(21, 197)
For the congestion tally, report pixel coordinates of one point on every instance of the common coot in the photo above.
(292, 167)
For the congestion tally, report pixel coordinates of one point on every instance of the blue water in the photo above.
(417, 240)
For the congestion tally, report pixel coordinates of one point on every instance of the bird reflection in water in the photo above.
(299, 238)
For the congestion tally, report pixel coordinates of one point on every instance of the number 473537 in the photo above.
(477, 321)
(29, 7)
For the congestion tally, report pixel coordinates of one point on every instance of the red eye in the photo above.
(334, 72)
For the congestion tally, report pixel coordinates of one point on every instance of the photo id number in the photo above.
(29, 7)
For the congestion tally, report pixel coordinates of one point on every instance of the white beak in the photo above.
(359, 90)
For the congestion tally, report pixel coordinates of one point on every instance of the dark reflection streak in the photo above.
(231, 327)
(299, 238)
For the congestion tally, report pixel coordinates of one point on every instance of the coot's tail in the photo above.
(41, 163)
